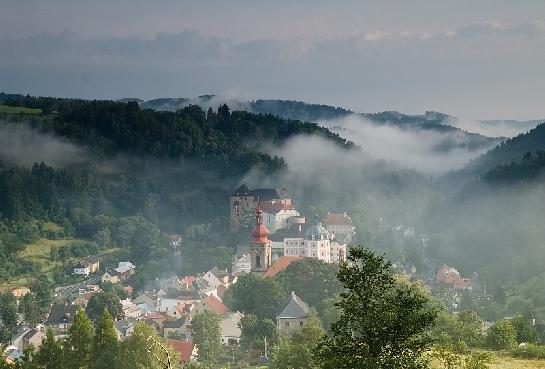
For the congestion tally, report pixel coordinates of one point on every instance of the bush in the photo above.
(502, 336)
(529, 351)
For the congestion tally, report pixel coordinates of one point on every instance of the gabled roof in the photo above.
(61, 313)
(242, 190)
(295, 308)
(279, 265)
(216, 305)
(183, 347)
(174, 324)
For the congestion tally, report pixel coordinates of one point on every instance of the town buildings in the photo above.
(447, 275)
(340, 226)
(245, 200)
(293, 316)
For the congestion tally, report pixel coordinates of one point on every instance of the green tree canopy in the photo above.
(383, 323)
(104, 300)
(206, 332)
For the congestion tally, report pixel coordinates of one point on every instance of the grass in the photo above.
(19, 110)
(503, 361)
(39, 252)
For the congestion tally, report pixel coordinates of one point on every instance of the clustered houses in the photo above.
(449, 276)
(275, 212)
(167, 304)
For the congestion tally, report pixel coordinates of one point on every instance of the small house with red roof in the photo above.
(185, 348)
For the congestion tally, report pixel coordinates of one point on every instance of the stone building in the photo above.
(293, 316)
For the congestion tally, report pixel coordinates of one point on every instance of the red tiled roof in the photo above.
(338, 219)
(279, 265)
(218, 306)
(183, 347)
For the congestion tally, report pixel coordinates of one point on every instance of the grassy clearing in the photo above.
(39, 253)
(502, 361)
(19, 110)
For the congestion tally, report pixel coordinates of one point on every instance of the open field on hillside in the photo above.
(19, 110)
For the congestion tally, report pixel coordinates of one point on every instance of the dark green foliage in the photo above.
(297, 351)
(104, 301)
(254, 330)
(502, 336)
(526, 332)
(311, 279)
(383, 324)
(206, 333)
(50, 354)
(531, 167)
(253, 294)
(78, 342)
(105, 348)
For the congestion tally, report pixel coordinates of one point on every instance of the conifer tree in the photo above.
(77, 345)
(50, 354)
(105, 349)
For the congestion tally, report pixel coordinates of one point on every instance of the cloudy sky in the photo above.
(478, 59)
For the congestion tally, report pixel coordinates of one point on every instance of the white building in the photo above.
(242, 265)
(276, 216)
(340, 225)
(315, 244)
(230, 329)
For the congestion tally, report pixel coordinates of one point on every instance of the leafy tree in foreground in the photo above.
(206, 332)
(105, 349)
(502, 336)
(383, 324)
(134, 351)
(297, 352)
(77, 345)
(50, 354)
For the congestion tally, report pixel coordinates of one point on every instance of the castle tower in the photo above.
(260, 250)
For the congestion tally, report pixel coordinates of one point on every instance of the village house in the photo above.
(125, 327)
(245, 199)
(25, 337)
(230, 329)
(175, 328)
(293, 316)
(216, 277)
(60, 318)
(340, 225)
(130, 309)
(210, 303)
(125, 270)
(447, 275)
(110, 276)
(187, 350)
(87, 266)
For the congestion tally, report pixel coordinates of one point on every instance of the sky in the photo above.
(476, 59)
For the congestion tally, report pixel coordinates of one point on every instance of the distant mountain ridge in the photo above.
(298, 110)
(511, 150)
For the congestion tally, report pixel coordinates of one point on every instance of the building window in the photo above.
(300, 324)
(287, 324)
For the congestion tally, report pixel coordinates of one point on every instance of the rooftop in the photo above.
(295, 308)
(279, 265)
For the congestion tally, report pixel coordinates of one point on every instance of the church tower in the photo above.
(260, 250)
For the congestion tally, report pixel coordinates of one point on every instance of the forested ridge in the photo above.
(139, 169)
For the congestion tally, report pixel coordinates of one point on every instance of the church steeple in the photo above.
(260, 234)
(261, 255)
